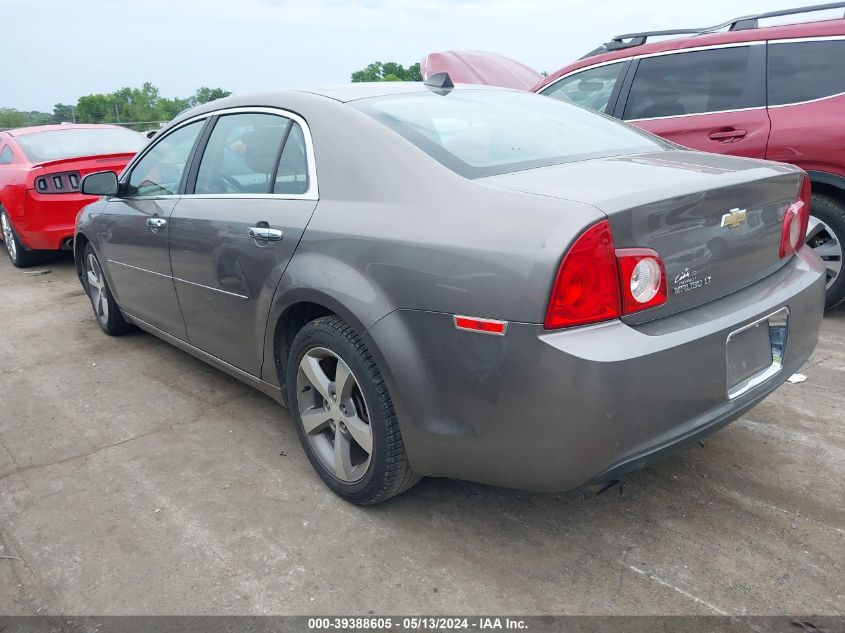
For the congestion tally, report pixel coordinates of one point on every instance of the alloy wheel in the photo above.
(334, 414)
(827, 245)
(9, 236)
(97, 289)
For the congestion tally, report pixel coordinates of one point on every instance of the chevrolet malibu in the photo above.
(465, 282)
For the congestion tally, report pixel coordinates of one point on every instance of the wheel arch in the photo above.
(313, 285)
(829, 184)
(80, 241)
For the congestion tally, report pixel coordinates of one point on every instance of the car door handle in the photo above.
(156, 223)
(726, 135)
(264, 233)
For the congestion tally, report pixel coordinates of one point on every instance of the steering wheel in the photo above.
(232, 183)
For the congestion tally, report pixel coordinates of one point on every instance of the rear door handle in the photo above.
(726, 135)
(156, 223)
(264, 233)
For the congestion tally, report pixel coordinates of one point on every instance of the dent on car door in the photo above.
(711, 100)
(133, 232)
(252, 192)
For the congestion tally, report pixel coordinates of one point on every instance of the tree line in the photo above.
(387, 71)
(144, 107)
(136, 107)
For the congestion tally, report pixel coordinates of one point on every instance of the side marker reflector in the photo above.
(484, 326)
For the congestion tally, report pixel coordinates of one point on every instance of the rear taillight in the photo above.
(795, 219)
(642, 279)
(64, 182)
(587, 286)
(596, 283)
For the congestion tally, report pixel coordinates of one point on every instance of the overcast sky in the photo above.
(55, 51)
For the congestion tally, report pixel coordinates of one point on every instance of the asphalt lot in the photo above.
(135, 479)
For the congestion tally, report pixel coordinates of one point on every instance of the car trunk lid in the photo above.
(715, 221)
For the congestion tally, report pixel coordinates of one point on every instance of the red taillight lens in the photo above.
(587, 286)
(642, 279)
(794, 230)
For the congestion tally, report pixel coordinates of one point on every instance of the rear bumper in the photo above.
(49, 221)
(551, 411)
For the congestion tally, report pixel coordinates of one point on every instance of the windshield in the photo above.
(479, 133)
(72, 143)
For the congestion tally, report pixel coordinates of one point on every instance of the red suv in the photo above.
(776, 92)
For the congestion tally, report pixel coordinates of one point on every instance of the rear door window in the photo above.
(713, 80)
(803, 71)
(241, 154)
(589, 88)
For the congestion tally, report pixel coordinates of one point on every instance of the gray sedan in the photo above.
(464, 282)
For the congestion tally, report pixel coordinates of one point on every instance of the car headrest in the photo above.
(261, 147)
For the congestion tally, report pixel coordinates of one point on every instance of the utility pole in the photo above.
(116, 114)
(73, 114)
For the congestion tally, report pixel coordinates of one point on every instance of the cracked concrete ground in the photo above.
(134, 479)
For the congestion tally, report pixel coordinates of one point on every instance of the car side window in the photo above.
(241, 154)
(6, 155)
(292, 172)
(711, 80)
(590, 88)
(160, 170)
(803, 71)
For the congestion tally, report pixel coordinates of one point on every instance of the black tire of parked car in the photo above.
(389, 472)
(831, 211)
(19, 255)
(113, 322)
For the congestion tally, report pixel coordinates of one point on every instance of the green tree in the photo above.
(205, 94)
(9, 117)
(63, 112)
(128, 105)
(387, 71)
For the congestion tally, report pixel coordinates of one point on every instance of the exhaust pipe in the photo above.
(67, 244)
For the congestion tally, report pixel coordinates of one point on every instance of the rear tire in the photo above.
(19, 255)
(827, 239)
(106, 311)
(351, 435)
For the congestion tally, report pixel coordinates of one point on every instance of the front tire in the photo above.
(18, 253)
(826, 236)
(106, 312)
(344, 415)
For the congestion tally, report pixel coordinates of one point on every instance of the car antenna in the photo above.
(440, 83)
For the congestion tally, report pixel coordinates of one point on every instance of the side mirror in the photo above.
(101, 183)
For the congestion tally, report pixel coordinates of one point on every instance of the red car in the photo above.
(40, 171)
(776, 92)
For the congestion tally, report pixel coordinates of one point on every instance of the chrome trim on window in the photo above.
(311, 194)
(684, 116)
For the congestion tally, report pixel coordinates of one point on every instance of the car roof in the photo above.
(305, 99)
(367, 90)
(822, 28)
(58, 127)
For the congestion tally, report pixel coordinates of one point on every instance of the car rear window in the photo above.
(74, 143)
(803, 71)
(478, 133)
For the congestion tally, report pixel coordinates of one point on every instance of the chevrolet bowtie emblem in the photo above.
(733, 218)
